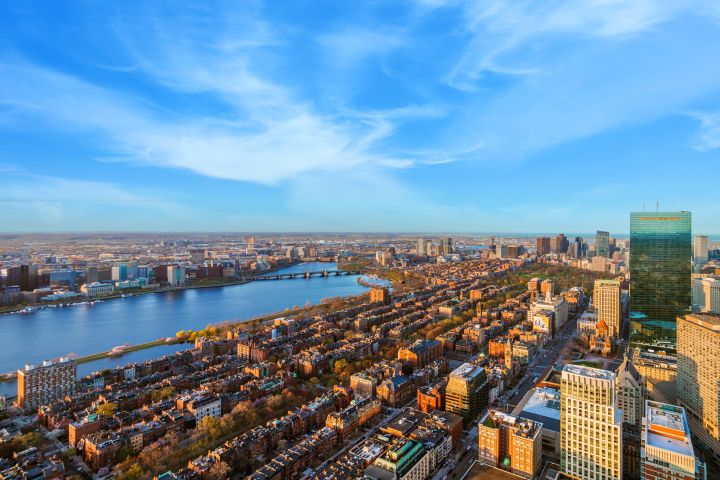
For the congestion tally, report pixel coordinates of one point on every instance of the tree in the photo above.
(135, 472)
(219, 471)
(107, 409)
(340, 366)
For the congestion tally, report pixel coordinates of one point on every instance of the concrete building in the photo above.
(698, 369)
(631, 393)
(542, 245)
(380, 295)
(590, 424)
(706, 294)
(46, 383)
(667, 450)
(557, 305)
(467, 391)
(543, 406)
(97, 288)
(700, 250)
(511, 443)
(606, 299)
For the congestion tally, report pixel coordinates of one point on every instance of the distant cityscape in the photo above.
(537, 357)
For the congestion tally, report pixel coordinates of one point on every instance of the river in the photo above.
(86, 329)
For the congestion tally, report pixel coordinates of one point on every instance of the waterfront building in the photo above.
(606, 299)
(700, 250)
(590, 424)
(467, 391)
(96, 288)
(42, 384)
(120, 272)
(706, 294)
(511, 443)
(698, 371)
(602, 244)
(542, 245)
(660, 258)
(667, 449)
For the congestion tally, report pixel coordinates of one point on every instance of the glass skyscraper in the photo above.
(660, 283)
(602, 244)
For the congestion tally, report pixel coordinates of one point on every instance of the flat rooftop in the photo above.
(707, 320)
(589, 372)
(466, 370)
(541, 405)
(667, 428)
(486, 472)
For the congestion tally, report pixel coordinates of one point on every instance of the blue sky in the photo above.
(415, 116)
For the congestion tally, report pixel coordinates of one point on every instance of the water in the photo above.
(85, 329)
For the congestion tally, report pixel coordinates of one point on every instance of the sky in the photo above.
(368, 116)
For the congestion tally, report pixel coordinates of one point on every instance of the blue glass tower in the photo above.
(660, 283)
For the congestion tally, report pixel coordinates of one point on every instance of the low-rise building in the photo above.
(511, 443)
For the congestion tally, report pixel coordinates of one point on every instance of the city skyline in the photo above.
(426, 116)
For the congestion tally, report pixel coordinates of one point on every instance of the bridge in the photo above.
(306, 274)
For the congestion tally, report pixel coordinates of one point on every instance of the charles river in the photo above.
(87, 329)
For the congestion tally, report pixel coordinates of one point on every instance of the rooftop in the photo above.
(589, 372)
(707, 320)
(542, 405)
(466, 371)
(666, 427)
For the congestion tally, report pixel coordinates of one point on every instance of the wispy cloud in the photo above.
(708, 137)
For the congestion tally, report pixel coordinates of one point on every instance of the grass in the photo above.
(588, 363)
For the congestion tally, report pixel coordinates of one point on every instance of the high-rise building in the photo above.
(667, 449)
(700, 250)
(249, 245)
(559, 244)
(590, 424)
(42, 384)
(606, 299)
(467, 391)
(602, 244)
(660, 257)
(91, 275)
(630, 393)
(511, 443)
(422, 246)
(28, 277)
(706, 294)
(542, 245)
(120, 272)
(698, 370)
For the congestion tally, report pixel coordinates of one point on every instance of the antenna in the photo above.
(657, 206)
(643, 207)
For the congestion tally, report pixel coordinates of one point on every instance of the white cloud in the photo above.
(708, 137)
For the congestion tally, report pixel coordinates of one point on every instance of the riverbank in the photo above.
(133, 292)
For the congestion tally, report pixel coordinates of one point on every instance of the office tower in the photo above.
(249, 245)
(46, 383)
(421, 248)
(28, 277)
(667, 450)
(511, 443)
(448, 246)
(91, 275)
(630, 393)
(501, 251)
(706, 294)
(120, 272)
(602, 244)
(176, 275)
(700, 250)
(660, 253)
(467, 391)
(13, 277)
(606, 299)
(542, 245)
(698, 369)
(559, 244)
(590, 424)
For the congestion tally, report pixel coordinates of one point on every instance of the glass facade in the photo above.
(660, 283)
(602, 244)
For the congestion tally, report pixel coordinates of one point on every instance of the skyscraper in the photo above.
(660, 254)
(542, 245)
(46, 383)
(606, 299)
(602, 244)
(706, 294)
(698, 371)
(590, 424)
(700, 250)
